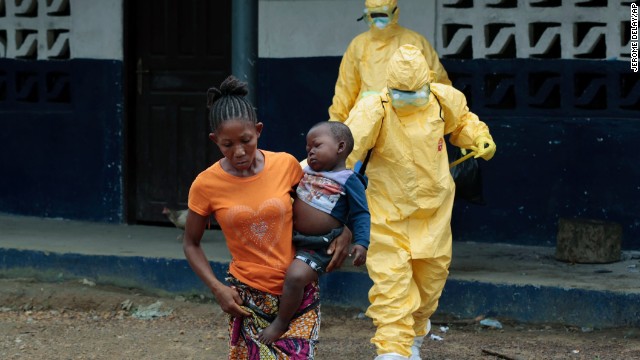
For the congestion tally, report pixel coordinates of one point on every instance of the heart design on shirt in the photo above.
(259, 229)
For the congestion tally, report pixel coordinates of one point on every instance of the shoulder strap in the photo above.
(363, 168)
(440, 105)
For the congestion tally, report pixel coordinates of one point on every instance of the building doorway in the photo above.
(176, 50)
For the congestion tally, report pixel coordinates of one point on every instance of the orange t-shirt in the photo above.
(255, 216)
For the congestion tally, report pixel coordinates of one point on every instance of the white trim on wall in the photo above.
(97, 29)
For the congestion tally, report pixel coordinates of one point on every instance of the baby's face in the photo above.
(323, 150)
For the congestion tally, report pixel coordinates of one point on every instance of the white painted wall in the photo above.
(97, 29)
(35, 30)
(310, 28)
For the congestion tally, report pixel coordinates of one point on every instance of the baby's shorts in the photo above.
(312, 249)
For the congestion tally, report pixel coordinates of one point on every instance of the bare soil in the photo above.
(78, 320)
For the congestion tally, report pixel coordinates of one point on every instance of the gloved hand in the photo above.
(484, 147)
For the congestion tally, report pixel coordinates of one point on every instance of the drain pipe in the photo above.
(244, 44)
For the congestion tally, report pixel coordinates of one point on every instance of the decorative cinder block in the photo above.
(588, 241)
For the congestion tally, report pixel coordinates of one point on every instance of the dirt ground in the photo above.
(78, 320)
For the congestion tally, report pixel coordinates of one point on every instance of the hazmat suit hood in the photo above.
(376, 4)
(407, 69)
(390, 7)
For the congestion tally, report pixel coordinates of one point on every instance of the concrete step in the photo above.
(521, 283)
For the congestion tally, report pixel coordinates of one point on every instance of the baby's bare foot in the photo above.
(272, 332)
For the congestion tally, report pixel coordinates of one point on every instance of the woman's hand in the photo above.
(339, 247)
(227, 297)
(230, 301)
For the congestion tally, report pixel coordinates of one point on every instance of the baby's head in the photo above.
(329, 143)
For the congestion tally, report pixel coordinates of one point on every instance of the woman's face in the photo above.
(237, 139)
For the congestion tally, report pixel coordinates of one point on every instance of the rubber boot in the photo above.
(391, 356)
(417, 343)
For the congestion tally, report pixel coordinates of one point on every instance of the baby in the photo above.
(328, 196)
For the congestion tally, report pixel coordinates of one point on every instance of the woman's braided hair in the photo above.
(229, 102)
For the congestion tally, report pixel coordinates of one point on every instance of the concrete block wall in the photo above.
(538, 29)
(61, 29)
(61, 96)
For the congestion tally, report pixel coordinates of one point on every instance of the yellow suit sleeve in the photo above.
(435, 65)
(463, 125)
(347, 86)
(365, 122)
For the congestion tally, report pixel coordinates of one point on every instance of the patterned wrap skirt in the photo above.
(298, 343)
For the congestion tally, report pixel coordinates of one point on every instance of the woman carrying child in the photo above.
(249, 192)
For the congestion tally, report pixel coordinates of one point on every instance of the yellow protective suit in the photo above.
(410, 195)
(364, 64)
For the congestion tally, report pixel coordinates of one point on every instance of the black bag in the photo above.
(468, 178)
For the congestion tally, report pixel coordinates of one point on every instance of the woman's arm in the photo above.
(227, 297)
(339, 247)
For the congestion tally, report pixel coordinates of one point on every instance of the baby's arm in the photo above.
(359, 217)
(359, 254)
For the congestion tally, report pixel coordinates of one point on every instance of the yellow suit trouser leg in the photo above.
(394, 296)
(408, 262)
(430, 276)
(431, 261)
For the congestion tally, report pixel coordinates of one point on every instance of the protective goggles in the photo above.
(381, 15)
(416, 98)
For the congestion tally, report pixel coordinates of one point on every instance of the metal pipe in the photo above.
(244, 44)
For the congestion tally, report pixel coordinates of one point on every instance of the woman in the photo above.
(249, 192)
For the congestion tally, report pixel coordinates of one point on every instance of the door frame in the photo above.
(129, 114)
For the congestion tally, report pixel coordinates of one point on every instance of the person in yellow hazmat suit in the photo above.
(363, 66)
(410, 194)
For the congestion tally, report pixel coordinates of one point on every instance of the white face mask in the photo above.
(380, 22)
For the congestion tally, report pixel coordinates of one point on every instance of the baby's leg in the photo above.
(298, 276)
